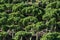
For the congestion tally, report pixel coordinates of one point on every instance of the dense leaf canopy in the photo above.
(29, 19)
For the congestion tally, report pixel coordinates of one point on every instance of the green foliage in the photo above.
(54, 5)
(19, 6)
(35, 27)
(58, 24)
(1, 8)
(52, 21)
(28, 20)
(3, 20)
(51, 13)
(31, 10)
(20, 34)
(51, 36)
(40, 26)
(1, 1)
(30, 27)
(48, 1)
(2, 35)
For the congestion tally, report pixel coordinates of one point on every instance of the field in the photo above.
(29, 19)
